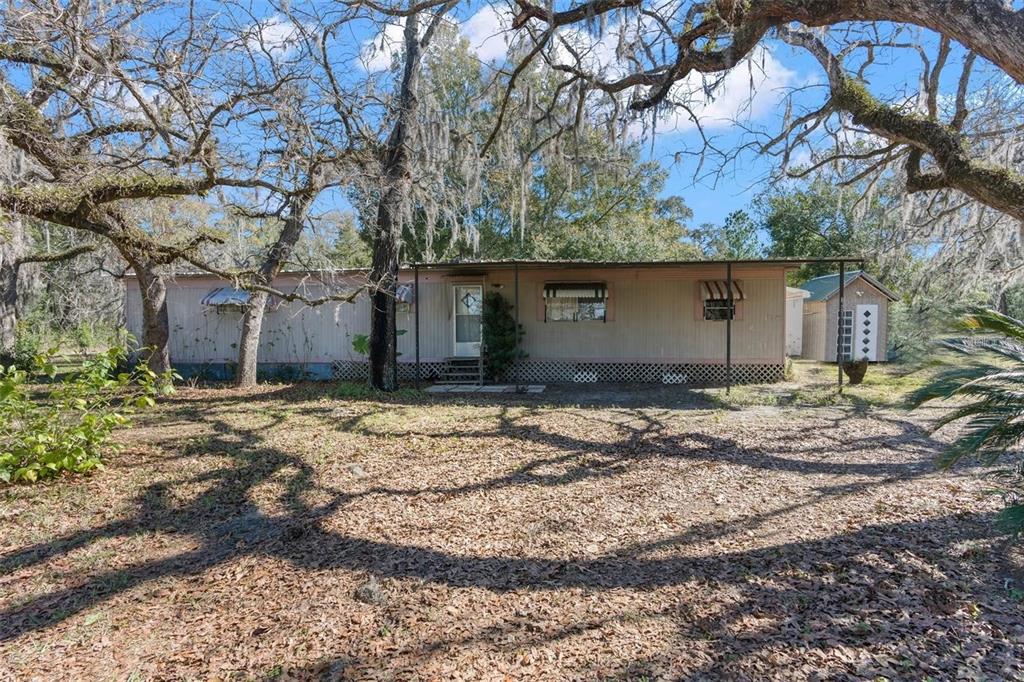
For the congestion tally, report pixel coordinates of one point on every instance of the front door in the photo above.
(468, 309)
(865, 337)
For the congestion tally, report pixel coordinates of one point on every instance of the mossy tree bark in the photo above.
(990, 28)
(12, 245)
(277, 258)
(387, 242)
(156, 330)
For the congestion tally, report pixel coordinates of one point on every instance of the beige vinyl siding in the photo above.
(654, 315)
(856, 292)
(435, 321)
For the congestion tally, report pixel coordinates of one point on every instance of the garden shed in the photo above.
(865, 324)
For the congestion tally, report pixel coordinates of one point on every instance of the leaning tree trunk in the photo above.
(156, 331)
(11, 251)
(252, 322)
(387, 241)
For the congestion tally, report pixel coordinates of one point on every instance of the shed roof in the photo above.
(825, 287)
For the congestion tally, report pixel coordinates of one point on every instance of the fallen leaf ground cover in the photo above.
(288, 533)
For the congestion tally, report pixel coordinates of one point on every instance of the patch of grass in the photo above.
(814, 384)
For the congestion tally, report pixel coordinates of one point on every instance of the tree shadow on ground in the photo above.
(794, 585)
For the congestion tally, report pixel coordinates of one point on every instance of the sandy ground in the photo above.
(283, 533)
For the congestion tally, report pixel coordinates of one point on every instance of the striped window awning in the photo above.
(719, 289)
(227, 296)
(576, 290)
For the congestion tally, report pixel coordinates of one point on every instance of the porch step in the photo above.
(460, 371)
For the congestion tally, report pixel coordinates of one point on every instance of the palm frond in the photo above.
(988, 321)
(989, 388)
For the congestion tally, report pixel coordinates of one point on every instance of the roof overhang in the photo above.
(885, 291)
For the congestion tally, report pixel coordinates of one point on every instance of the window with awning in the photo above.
(715, 296)
(719, 289)
(230, 298)
(576, 290)
(575, 301)
(227, 297)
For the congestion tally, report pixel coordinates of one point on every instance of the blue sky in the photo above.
(774, 69)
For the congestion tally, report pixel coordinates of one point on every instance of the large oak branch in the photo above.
(1000, 188)
(991, 28)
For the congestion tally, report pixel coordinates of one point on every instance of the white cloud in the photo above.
(748, 92)
(487, 32)
(277, 35)
(378, 53)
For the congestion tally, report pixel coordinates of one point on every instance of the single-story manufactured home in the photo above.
(865, 318)
(664, 322)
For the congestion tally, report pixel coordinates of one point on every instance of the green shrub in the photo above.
(500, 334)
(28, 344)
(67, 425)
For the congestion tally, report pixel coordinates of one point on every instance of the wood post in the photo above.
(515, 355)
(728, 327)
(839, 325)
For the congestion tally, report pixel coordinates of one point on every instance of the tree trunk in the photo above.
(8, 307)
(249, 343)
(11, 250)
(277, 257)
(156, 332)
(387, 241)
(383, 314)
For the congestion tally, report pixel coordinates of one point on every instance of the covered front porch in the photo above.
(695, 323)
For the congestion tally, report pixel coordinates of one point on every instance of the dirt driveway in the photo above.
(286, 533)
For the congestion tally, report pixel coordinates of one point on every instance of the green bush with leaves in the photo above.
(28, 343)
(987, 383)
(501, 335)
(48, 426)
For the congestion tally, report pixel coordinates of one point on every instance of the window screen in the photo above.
(575, 309)
(719, 309)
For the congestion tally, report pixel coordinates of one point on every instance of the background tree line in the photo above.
(166, 136)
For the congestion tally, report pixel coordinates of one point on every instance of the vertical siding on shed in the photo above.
(794, 326)
(814, 330)
(857, 291)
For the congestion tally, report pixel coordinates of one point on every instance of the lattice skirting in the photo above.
(360, 371)
(544, 371)
(550, 372)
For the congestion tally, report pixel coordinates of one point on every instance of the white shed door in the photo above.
(865, 332)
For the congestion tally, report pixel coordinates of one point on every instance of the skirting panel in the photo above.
(544, 371)
(551, 372)
(360, 371)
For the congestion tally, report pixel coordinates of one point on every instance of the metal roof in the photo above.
(512, 263)
(825, 287)
(526, 264)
